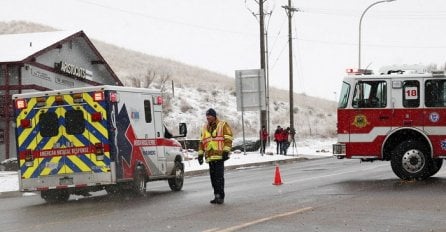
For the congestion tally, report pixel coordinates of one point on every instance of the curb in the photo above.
(10, 194)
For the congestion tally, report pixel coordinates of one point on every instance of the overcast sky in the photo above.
(223, 35)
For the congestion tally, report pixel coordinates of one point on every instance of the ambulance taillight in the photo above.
(59, 99)
(99, 151)
(40, 101)
(77, 98)
(25, 123)
(20, 104)
(98, 96)
(159, 100)
(28, 156)
(96, 117)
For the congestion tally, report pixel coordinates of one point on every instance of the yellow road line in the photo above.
(247, 224)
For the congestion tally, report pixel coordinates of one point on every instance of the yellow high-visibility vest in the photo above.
(213, 141)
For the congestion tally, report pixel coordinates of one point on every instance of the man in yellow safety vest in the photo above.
(215, 145)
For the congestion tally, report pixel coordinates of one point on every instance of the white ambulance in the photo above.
(74, 141)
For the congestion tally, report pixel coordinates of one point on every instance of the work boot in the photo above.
(217, 200)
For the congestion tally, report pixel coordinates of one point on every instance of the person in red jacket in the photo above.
(285, 142)
(263, 139)
(278, 138)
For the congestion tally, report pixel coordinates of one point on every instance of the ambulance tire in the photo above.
(139, 182)
(176, 184)
(54, 196)
(411, 160)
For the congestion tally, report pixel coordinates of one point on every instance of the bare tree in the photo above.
(163, 79)
(135, 82)
(149, 78)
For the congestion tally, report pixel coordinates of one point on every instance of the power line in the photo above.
(164, 19)
(370, 44)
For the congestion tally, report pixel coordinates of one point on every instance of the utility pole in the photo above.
(262, 55)
(289, 11)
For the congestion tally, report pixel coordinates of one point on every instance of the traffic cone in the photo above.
(277, 178)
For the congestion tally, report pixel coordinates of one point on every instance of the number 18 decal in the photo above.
(411, 93)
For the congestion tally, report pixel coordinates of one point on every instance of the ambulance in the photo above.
(75, 141)
(398, 116)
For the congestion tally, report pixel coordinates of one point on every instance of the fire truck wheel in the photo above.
(139, 182)
(176, 184)
(53, 196)
(411, 160)
(435, 166)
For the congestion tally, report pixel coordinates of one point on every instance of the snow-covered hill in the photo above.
(189, 91)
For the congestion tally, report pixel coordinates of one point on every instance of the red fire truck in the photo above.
(397, 116)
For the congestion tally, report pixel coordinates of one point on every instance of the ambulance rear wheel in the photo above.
(176, 184)
(139, 182)
(53, 196)
(411, 161)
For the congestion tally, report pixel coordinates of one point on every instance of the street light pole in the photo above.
(360, 23)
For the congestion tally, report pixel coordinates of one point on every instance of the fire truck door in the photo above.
(371, 118)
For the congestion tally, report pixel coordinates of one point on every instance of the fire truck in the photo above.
(79, 140)
(397, 116)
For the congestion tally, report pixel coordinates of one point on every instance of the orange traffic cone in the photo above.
(277, 178)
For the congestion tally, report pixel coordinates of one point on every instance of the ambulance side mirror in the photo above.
(183, 129)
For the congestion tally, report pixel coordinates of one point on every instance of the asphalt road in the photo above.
(316, 195)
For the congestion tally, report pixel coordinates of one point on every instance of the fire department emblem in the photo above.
(434, 117)
(360, 121)
(443, 144)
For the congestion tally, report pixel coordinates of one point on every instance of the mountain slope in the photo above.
(189, 91)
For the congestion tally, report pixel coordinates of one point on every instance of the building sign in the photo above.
(64, 82)
(41, 75)
(71, 69)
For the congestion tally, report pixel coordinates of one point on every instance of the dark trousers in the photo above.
(217, 171)
(262, 146)
(278, 147)
(284, 147)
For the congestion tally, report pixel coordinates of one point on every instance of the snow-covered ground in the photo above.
(308, 148)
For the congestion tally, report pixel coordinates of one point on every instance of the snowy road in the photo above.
(316, 195)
